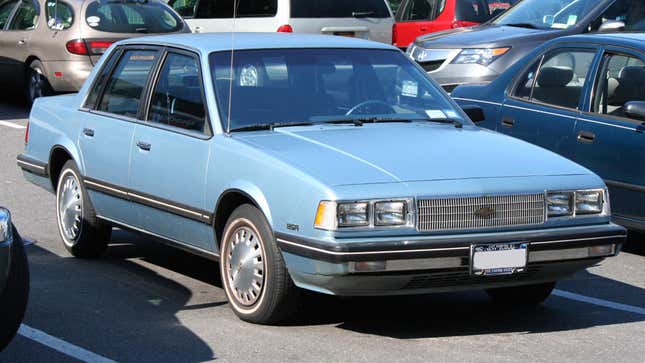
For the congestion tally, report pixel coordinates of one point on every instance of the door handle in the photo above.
(88, 132)
(586, 137)
(508, 122)
(22, 41)
(144, 145)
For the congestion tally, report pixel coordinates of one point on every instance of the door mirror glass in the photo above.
(612, 26)
(635, 110)
(475, 113)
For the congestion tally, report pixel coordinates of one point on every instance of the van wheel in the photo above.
(37, 84)
(82, 233)
(254, 275)
(522, 295)
(13, 301)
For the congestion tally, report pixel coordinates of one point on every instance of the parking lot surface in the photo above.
(145, 302)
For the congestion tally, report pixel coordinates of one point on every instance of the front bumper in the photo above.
(440, 263)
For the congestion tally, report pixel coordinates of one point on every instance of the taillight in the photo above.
(285, 29)
(98, 47)
(77, 46)
(27, 133)
(394, 37)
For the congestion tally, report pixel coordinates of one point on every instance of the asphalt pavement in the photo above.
(145, 302)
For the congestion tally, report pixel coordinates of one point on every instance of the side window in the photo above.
(5, 12)
(526, 83)
(620, 81)
(100, 80)
(124, 88)
(419, 10)
(26, 16)
(177, 99)
(223, 9)
(632, 13)
(60, 16)
(185, 8)
(561, 78)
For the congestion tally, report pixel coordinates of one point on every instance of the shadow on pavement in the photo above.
(635, 243)
(13, 108)
(125, 312)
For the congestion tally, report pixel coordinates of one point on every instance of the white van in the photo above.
(367, 19)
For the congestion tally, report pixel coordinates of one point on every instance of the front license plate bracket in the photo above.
(497, 259)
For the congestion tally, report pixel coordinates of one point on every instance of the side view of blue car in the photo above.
(583, 98)
(310, 162)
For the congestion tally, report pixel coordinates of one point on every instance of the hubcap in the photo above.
(244, 264)
(70, 208)
(35, 85)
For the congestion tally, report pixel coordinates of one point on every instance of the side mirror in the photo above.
(548, 19)
(475, 113)
(612, 26)
(635, 110)
(5, 225)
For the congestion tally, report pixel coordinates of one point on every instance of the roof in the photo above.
(636, 40)
(213, 42)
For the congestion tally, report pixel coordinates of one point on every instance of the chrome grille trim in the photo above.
(460, 213)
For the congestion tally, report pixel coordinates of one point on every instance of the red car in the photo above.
(418, 17)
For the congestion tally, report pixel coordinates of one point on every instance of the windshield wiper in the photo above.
(376, 120)
(522, 25)
(362, 14)
(270, 126)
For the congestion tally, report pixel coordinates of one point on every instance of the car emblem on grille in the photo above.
(485, 212)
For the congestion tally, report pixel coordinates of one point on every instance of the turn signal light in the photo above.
(27, 134)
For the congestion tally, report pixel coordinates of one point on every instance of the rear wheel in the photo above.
(524, 295)
(37, 84)
(82, 233)
(255, 278)
(13, 300)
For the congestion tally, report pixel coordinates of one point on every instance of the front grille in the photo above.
(462, 277)
(432, 65)
(465, 213)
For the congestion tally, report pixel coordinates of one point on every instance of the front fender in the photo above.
(253, 192)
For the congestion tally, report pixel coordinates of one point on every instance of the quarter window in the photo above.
(620, 81)
(223, 9)
(100, 81)
(177, 100)
(123, 90)
(5, 12)
(60, 16)
(26, 17)
(560, 79)
(419, 10)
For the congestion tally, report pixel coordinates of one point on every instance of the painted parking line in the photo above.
(12, 125)
(61, 346)
(599, 302)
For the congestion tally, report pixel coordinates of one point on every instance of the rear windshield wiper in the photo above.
(362, 14)
(270, 126)
(522, 25)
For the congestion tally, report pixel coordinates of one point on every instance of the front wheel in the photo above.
(13, 300)
(82, 233)
(522, 295)
(255, 278)
(37, 84)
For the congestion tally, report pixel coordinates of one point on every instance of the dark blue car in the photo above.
(584, 98)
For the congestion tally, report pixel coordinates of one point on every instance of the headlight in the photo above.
(479, 56)
(390, 213)
(333, 215)
(5, 225)
(559, 204)
(589, 202)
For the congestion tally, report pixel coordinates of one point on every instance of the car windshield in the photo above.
(132, 16)
(546, 14)
(296, 86)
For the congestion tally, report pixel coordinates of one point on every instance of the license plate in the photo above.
(345, 34)
(498, 258)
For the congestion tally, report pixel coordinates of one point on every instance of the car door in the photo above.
(112, 114)
(543, 104)
(609, 141)
(14, 41)
(413, 19)
(170, 155)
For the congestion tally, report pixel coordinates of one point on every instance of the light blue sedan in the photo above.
(310, 162)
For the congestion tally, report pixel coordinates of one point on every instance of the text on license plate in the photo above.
(499, 259)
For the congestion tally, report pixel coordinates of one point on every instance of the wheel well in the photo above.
(30, 59)
(57, 159)
(227, 204)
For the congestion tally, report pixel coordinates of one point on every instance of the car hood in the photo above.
(483, 36)
(391, 153)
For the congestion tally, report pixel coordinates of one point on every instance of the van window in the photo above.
(26, 16)
(223, 9)
(339, 9)
(130, 16)
(60, 15)
(5, 10)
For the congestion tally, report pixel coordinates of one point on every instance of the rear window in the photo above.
(476, 11)
(132, 17)
(339, 9)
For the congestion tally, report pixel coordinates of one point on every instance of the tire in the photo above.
(260, 290)
(13, 300)
(36, 82)
(522, 295)
(83, 235)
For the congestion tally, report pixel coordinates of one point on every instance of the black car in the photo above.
(14, 279)
(479, 54)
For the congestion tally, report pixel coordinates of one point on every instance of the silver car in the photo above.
(366, 19)
(51, 46)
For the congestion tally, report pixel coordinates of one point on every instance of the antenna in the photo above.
(236, 3)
